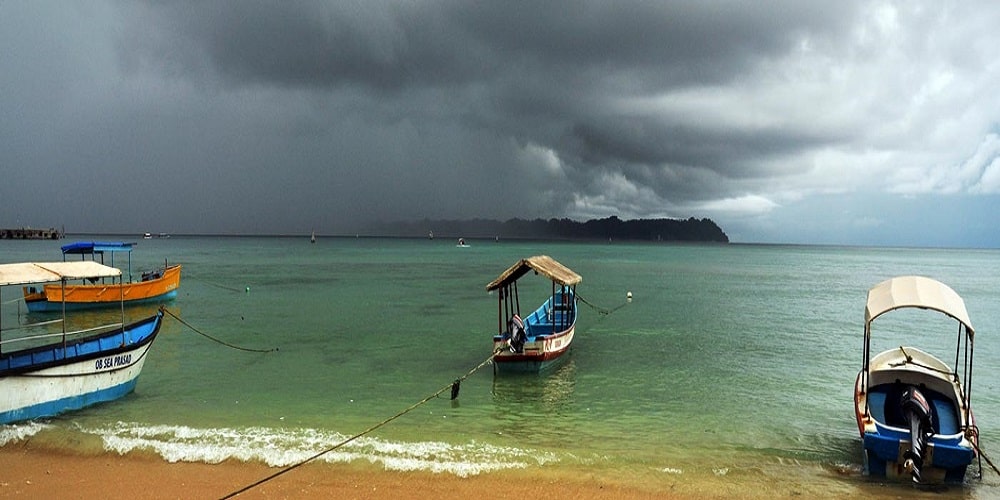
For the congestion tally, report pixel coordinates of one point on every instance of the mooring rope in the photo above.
(601, 310)
(224, 287)
(974, 432)
(453, 387)
(203, 334)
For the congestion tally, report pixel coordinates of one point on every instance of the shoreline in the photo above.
(33, 473)
(30, 470)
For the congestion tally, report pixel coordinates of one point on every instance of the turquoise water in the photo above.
(730, 361)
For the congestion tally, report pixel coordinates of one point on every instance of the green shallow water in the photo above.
(734, 363)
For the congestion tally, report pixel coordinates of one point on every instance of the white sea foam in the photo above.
(18, 432)
(283, 447)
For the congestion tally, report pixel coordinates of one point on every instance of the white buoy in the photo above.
(628, 296)
(248, 289)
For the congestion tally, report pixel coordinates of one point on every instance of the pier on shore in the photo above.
(27, 233)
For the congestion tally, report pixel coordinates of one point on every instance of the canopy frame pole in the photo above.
(121, 292)
(62, 286)
(553, 302)
(500, 313)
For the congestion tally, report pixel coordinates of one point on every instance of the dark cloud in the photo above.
(241, 116)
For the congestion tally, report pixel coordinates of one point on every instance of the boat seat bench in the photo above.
(944, 412)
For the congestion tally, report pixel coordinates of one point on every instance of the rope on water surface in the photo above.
(224, 287)
(600, 310)
(453, 387)
(209, 337)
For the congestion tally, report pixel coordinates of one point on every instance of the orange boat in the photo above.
(160, 284)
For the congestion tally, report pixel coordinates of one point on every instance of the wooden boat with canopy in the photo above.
(45, 374)
(914, 411)
(536, 341)
(156, 285)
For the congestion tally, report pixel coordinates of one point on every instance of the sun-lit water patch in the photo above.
(284, 447)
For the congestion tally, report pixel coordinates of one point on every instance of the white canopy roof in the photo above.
(915, 291)
(26, 273)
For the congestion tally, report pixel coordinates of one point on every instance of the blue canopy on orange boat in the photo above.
(89, 247)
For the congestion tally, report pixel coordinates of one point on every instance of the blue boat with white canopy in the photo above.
(914, 411)
(54, 371)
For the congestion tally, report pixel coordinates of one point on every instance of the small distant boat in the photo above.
(461, 243)
(57, 372)
(147, 236)
(157, 285)
(914, 412)
(534, 342)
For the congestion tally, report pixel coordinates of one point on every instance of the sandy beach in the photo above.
(31, 473)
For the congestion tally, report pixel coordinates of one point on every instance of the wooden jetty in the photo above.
(27, 233)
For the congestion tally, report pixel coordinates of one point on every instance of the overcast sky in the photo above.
(784, 121)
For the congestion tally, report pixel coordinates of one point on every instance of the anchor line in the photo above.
(224, 287)
(973, 431)
(600, 310)
(452, 386)
(209, 337)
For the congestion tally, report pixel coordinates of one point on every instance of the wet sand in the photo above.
(29, 473)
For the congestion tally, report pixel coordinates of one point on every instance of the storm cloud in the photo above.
(784, 121)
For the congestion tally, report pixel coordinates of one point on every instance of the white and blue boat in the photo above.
(45, 374)
(914, 411)
(537, 341)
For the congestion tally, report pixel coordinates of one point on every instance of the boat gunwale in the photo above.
(171, 269)
(146, 339)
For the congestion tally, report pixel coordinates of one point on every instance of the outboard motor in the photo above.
(918, 413)
(517, 334)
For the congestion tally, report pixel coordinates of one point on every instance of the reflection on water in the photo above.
(542, 393)
(535, 409)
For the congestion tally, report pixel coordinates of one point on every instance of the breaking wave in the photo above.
(284, 447)
(12, 433)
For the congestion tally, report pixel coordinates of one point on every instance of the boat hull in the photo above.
(541, 339)
(50, 298)
(48, 380)
(538, 355)
(886, 439)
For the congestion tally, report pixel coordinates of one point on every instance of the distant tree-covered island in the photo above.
(613, 228)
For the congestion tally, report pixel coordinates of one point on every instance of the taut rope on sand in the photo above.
(453, 387)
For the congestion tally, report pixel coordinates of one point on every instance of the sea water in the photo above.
(733, 364)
